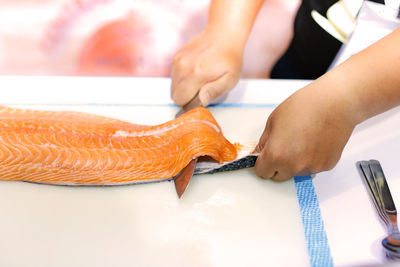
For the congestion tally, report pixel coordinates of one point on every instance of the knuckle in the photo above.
(197, 68)
(181, 64)
(177, 58)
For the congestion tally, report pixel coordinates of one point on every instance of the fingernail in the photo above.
(204, 97)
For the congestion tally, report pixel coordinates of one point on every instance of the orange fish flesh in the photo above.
(74, 148)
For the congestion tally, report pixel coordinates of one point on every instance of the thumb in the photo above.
(216, 88)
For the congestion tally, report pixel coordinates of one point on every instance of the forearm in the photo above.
(233, 19)
(369, 82)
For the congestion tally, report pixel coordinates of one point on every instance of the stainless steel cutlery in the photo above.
(379, 191)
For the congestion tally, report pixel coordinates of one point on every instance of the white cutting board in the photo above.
(224, 219)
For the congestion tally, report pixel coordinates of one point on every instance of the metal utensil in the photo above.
(182, 179)
(379, 191)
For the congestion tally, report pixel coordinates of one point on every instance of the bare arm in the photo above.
(308, 131)
(211, 62)
(373, 77)
(233, 19)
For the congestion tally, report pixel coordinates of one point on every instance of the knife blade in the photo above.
(193, 103)
(182, 179)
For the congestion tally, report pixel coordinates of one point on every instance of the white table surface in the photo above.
(353, 227)
(226, 219)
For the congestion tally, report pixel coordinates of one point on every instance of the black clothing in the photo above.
(312, 49)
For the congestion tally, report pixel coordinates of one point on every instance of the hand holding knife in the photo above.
(193, 103)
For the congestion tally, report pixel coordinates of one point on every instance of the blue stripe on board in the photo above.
(317, 241)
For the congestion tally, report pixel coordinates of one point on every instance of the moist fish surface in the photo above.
(74, 148)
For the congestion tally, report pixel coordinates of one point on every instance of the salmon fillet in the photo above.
(74, 148)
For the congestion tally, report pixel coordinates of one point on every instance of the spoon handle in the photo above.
(379, 191)
(381, 184)
(366, 173)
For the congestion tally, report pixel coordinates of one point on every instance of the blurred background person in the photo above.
(123, 38)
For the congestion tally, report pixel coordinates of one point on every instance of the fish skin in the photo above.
(74, 148)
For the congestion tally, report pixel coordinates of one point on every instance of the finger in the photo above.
(184, 85)
(282, 175)
(213, 89)
(269, 170)
(183, 90)
(265, 167)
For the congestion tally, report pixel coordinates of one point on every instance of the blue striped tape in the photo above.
(317, 241)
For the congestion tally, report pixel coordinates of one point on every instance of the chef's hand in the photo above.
(209, 64)
(305, 134)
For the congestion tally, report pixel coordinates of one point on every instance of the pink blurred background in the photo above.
(123, 37)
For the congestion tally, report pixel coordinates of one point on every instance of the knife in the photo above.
(182, 179)
(193, 103)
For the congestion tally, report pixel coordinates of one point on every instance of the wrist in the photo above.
(354, 91)
(224, 36)
(332, 94)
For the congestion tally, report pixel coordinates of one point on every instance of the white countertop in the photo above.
(225, 219)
